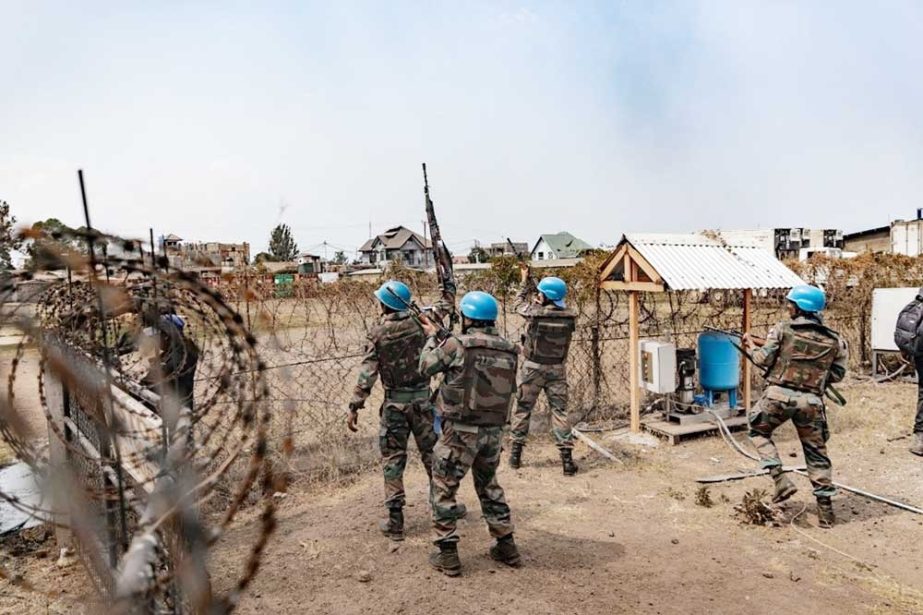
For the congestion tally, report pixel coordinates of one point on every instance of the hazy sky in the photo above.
(217, 120)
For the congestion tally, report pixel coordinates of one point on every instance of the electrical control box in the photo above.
(658, 366)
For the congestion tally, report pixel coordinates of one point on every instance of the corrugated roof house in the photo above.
(559, 245)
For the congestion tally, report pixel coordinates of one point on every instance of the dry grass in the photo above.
(874, 409)
(753, 509)
(703, 497)
(896, 597)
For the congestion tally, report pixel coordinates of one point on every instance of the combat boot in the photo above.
(917, 447)
(393, 526)
(785, 488)
(445, 560)
(505, 551)
(825, 516)
(461, 511)
(516, 455)
(567, 462)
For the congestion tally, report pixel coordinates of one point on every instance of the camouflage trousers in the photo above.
(398, 421)
(462, 447)
(806, 412)
(533, 379)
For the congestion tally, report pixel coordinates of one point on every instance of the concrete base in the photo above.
(637, 439)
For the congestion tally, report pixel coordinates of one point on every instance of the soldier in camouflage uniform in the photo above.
(549, 327)
(393, 352)
(802, 356)
(474, 402)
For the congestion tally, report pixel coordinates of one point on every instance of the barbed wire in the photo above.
(156, 402)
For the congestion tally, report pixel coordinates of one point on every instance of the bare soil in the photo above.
(26, 397)
(618, 538)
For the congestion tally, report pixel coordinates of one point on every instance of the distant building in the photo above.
(806, 254)
(502, 248)
(900, 237)
(279, 267)
(398, 243)
(559, 245)
(310, 264)
(907, 236)
(171, 242)
(209, 256)
(785, 243)
(875, 240)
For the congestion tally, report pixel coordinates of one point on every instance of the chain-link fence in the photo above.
(314, 338)
(279, 364)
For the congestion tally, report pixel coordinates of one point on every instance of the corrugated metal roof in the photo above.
(698, 262)
(565, 245)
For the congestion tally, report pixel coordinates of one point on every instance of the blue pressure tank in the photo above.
(719, 362)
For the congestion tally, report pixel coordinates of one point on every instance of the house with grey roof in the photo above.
(555, 246)
(397, 243)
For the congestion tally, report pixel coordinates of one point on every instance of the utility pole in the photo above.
(432, 248)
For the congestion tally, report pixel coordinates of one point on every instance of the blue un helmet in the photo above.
(387, 291)
(554, 289)
(808, 298)
(478, 305)
(174, 320)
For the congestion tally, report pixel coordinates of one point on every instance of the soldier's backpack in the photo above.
(906, 332)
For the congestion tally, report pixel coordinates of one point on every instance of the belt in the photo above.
(407, 396)
(533, 364)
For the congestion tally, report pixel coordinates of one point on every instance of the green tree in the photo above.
(282, 246)
(340, 257)
(9, 239)
(49, 237)
(263, 257)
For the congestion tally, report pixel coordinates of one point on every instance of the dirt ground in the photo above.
(25, 391)
(619, 538)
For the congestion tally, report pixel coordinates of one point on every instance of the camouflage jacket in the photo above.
(480, 375)
(371, 366)
(807, 373)
(548, 328)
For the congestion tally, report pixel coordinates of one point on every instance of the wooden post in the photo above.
(745, 328)
(634, 354)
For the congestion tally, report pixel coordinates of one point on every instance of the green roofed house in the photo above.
(559, 245)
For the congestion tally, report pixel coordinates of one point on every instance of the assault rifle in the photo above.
(419, 314)
(441, 253)
(830, 391)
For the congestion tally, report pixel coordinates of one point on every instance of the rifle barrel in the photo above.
(418, 314)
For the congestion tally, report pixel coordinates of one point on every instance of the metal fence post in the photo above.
(595, 350)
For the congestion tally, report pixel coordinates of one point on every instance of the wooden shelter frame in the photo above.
(635, 275)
